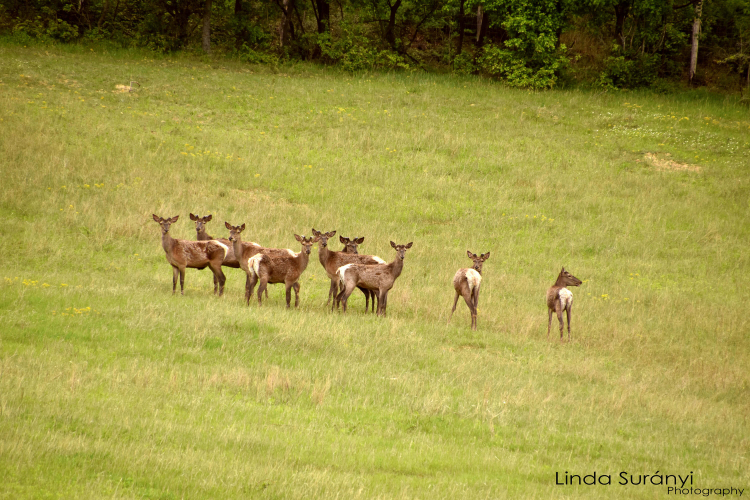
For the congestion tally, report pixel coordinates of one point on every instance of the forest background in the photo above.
(662, 44)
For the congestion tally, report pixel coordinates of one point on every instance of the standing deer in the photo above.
(193, 254)
(350, 245)
(560, 299)
(246, 250)
(331, 261)
(376, 277)
(202, 235)
(284, 268)
(467, 283)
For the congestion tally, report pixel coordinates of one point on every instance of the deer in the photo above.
(194, 254)
(466, 282)
(245, 251)
(281, 268)
(331, 261)
(374, 277)
(560, 299)
(202, 235)
(350, 245)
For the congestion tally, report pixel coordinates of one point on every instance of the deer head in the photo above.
(567, 279)
(478, 261)
(323, 237)
(307, 243)
(165, 223)
(351, 244)
(200, 222)
(401, 249)
(234, 231)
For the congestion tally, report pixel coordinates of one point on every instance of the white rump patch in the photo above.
(566, 298)
(473, 278)
(292, 253)
(222, 245)
(341, 271)
(254, 261)
(378, 259)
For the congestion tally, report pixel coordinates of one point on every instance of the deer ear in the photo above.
(343, 240)
(242, 227)
(317, 238)
(359, 240)
(228, 225)
(156, 218)
(408, 245)
(299, 238)
(393, 244)
(208, 218)
(174, 219)
(193, 217)
(331, 234)
(485, 256)
(315, 232)
(469, 254)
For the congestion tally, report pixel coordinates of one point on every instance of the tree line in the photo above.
(526, 43)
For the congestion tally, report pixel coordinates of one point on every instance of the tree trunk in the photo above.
(460, 27)
(324, 15)
(483, 19)
(390, 32)
(207, 28)
(286, 30)
(101, 16)
(696, 32)
(621, 13)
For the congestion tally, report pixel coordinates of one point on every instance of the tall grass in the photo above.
(111, 386)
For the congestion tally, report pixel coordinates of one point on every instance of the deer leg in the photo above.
(175, 273)
(296, 287)
(558, 310)
(182, 281)
(288, 294)
(455, 302)
(382, 302)
(252, 279)
(470, 304)
(567, 312)
(216, 282)
(367, 298)
(549, 323)
(219, 275)
(263, 287)
(333, 291)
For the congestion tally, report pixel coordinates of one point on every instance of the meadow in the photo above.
(110, 386)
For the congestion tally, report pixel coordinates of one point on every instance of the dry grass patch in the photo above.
(663, 164)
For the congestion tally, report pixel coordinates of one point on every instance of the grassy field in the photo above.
(110, 386)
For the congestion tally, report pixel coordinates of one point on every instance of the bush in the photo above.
(355, 52)
(517, 71)
(620, 72)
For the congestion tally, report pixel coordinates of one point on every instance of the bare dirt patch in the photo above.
(667, 163)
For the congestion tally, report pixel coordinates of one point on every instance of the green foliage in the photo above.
(620, 72)
(44, 30)
(516, 71)
(464, 64)
(354, 52)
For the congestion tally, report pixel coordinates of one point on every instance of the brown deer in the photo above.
(285, 268)
(467, 283)
(246, 250)
(202, 235)
(331, 261)
(193, 254)
(350, 245)
(560, 299)
(376, 277)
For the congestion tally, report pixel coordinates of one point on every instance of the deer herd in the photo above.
(347, 269)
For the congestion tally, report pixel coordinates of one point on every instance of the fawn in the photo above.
(331, 261)
(283, 268)
(193, 254)
(560, 299)
(202, 235)
(467, 283)
(374, 277)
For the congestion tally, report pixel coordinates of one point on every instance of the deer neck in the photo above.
(560, 282)
(167, 242)
(204, 236)
(396, 267)
(302, 259)
(323, 255)
(237, 247)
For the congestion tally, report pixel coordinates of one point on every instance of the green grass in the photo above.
(112, 387)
